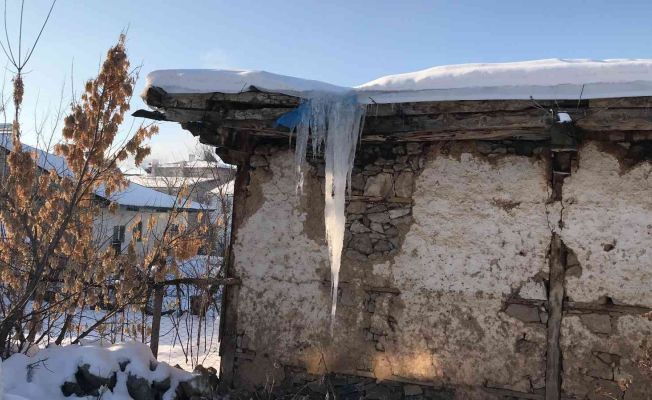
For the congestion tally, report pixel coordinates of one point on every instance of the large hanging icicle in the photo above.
(333, 120)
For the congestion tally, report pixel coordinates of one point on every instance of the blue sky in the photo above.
(342, 42)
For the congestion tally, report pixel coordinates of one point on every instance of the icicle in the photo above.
(336, 121)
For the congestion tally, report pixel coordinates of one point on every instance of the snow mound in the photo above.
(540, 79)
(42, 375)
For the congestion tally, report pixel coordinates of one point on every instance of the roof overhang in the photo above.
(220, 118)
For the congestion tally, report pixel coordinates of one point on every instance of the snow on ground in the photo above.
(540, 79)
(36, 377)
(183, 340)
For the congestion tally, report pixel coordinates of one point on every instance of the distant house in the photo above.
(136, 202)
(200, 176)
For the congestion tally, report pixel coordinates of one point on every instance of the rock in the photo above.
(525, 346)
(404, 184)
(361, 243)
(377, 208)
(379, 185)
(381, 217)
(89, 384)
(398, 212)
(371, 169)
(483, 147)
(412, 390)
(347, 298)
(383, 245)
(70, 388)
(354, 255)
(413, 148)
(356, 207)
(202, 385)
(139, 388)
(357, 227)
(377, 392)
(405, 220)
(523, 312)
(357, 182)
(376, 227)
(597, 323)
(123, 365)
(543, 316)
(391, 231)
(608, 246)
(599, 369)
(257, 161)
(160, 387)
(608, 358)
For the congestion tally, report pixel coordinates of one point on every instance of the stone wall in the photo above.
(444, 279)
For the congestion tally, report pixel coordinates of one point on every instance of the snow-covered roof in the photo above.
(134, 195)
(194, 164)
(225, 189)
(168, 181)
(233, 81)
(133, 171)
(548, 79)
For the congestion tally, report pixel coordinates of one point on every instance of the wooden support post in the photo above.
(555, 309)
(228, 309)
(157, 306)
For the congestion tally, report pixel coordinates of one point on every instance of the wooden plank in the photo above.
(378, 289)
(555, 308)
(454, 122)
(440, 107)
(157, 97)
(512, 394)
(264, 115)
(573, 307)
(577, 308)
(620, 119)
(480, 134)
(621, 102)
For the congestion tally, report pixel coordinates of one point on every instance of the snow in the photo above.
(233, 81)
(336, 120)
(41, 375)
(194, 164)
(540, 79)
(134, 195)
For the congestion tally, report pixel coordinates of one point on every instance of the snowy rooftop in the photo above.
(194, 164)
(134, 195)
(550, 79)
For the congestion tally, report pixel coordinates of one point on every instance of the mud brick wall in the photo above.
(446, 271)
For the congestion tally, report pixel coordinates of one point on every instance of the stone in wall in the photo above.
(598, 365)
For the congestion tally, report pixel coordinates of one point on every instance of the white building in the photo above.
(135, 203)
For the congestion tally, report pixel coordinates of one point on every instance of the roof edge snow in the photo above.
(548, 79)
